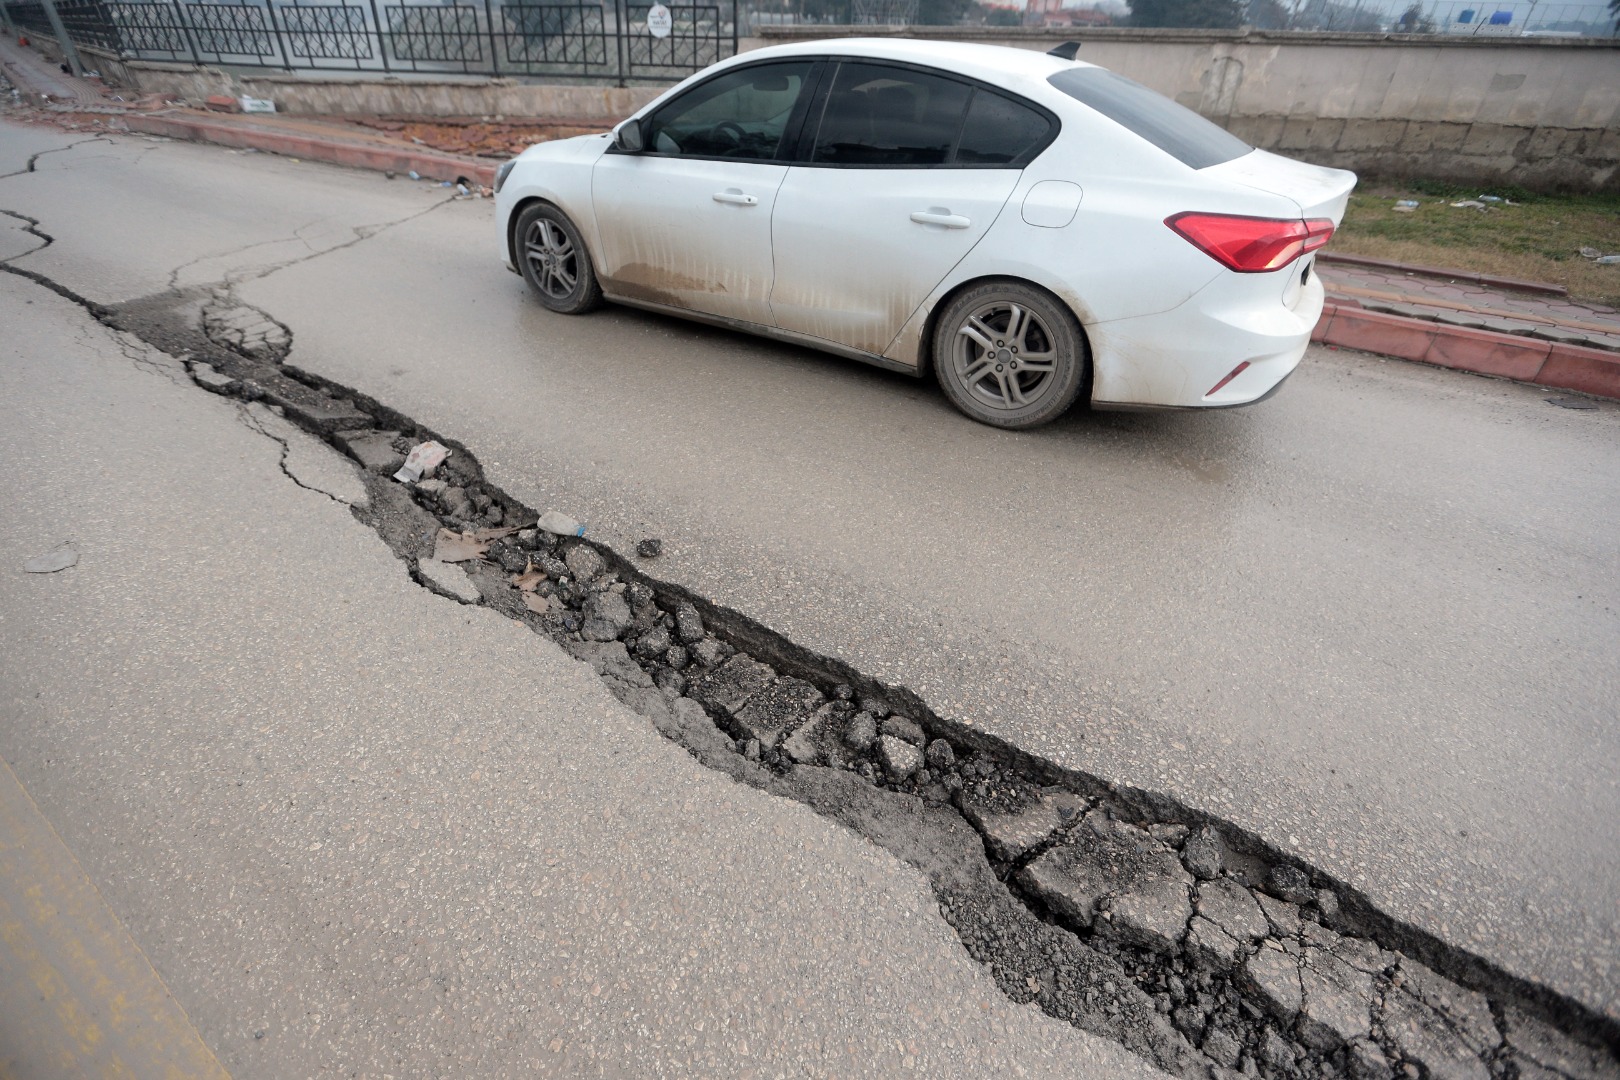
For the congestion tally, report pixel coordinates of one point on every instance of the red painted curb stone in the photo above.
(312, 148)
(1591, 371)
(1373, 331)
(1469, 349)
(1463, 348)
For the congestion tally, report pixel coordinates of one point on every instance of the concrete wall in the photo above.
(1541, 113)
(377, 95)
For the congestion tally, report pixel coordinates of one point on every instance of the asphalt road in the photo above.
(1375, 619)
(270, 809)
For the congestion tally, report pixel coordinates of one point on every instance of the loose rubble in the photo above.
(1188, 941)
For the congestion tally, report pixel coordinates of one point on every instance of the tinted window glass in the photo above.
(1173, 128)
(889, 116)
(741, 114)
(1000, 131)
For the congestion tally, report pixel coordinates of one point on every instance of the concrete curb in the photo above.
(1484, 352)
(434, 166)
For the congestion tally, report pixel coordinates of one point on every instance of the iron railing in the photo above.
(604, 40)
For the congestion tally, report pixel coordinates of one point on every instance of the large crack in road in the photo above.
(1193, 942)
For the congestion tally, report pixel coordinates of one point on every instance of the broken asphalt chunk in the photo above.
(777, 709)
(729, 687)
(584, 563)
(1273, 975)
(688, 623)
(1336, 1002)
(1117, 879)
(1233, 909)
(452, 579)
(1010, 834)
(606, 617)
(374, 450)
(1419, 1034)
(1204, 854)
(900, 759)
(205, 376)
(1290, 883)
(808, 743)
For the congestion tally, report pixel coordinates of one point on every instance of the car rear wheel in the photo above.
(554, 261)
(1009, 354)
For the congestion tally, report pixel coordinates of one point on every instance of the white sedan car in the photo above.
(1026, 227)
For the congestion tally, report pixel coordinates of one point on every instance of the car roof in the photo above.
(1000, 65)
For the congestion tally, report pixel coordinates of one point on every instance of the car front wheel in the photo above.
(1009, 355)
(554, 261)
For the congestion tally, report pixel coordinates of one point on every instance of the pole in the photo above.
(70, 50)
(5, 18)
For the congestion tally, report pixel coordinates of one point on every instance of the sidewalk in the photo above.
(1515, 330)
(1453, 298)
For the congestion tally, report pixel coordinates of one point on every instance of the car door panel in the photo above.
(688, 233)
(899, 176)
(857, 250)
(686, 223)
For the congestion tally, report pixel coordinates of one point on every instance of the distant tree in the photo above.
(1415, 21)
(1202, 14)
(1614, 9)
(1270, 15)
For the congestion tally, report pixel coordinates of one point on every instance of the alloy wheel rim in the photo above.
(1004, 355)
(552, 259)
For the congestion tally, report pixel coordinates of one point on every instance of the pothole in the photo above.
(1191, 941)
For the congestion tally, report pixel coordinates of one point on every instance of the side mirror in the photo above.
(627, 137)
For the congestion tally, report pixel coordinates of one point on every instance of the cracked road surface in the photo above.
(358, 829)
(1372, 620)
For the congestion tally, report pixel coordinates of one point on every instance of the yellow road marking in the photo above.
(78, 998)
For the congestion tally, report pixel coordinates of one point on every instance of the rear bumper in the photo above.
(1175, 359)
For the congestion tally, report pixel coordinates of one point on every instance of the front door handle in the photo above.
(736, 197)
(935, 215)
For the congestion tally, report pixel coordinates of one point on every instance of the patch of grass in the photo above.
(1537, 238)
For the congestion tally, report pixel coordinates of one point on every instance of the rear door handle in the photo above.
(736, 197)
(937, 216)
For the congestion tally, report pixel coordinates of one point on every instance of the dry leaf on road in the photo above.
(450, 547)
(529, 580)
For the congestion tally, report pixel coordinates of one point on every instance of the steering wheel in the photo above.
(732, 128)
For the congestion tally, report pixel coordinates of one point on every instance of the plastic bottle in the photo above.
(555, 522)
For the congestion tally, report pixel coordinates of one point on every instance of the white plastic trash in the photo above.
(555, 522)
(257, 105)
(421, 461)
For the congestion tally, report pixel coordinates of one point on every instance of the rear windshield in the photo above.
(1173, 128)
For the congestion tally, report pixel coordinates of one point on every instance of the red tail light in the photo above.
(1251, 245)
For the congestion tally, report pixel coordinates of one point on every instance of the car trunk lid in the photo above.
(1318, 191)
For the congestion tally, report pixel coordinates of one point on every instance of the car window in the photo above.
(741, 114)
(1173, 128)
(877, 115)
(1000, 131)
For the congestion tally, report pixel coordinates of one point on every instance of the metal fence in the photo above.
(606, 40)
(1517, 18)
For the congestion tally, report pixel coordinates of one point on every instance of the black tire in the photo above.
(1009, 355)
(554, 261)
